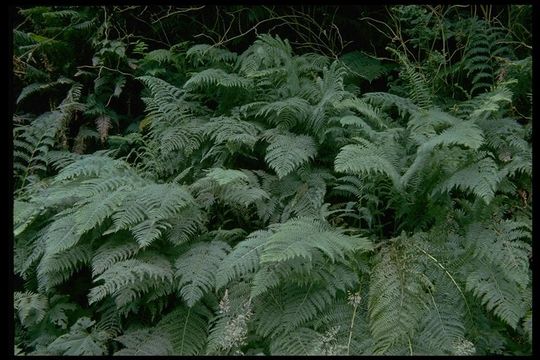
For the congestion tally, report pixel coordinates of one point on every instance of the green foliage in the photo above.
(175, 198)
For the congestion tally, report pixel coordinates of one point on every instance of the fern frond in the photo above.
(503, 246)
(297, 305)
(186, 330)
(481, 178)
(185, 225)
(202, 53)
(144, 342)
(286, 152)
(497, 293)
(230, 130)
(404, 105)
(217, 77)
(80, 340)
(287, 113)
(57, 268)
(122, 274)
(301, 341)
(31, 144)
(196, 269)
(31, 308)
(302, 236)
(361, 65)
(112, 252)
(396, 300)
(243, 259)
(365, 158)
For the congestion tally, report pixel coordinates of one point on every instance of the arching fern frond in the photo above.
(144, 342)
(196, 269)
(243, 259)
(365, 158)
(302, 236)
(396, 300)
(216, 77)
(286, 152)
(481, 178)
(186, 329)
(153, 269)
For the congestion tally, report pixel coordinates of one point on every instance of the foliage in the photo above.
(176, 198)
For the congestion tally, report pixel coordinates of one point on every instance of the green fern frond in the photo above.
(481, 178)
(365, 158)
(94, 165)
(301, 341)
(202, 53)
(161, 89)
(503, 246)
(81, 340)
(186, 330)
(287, 113)
(217, 77)
(112, 252)
(122, 274)
(302, 236)
(185, 225)
(144, 342)
(464, 133)
(417, 83)
(497, 293)
(146, 210)
(31, 144)
(59, 267)
(396, 300)
(297, 305)
(226, 176)
(231, 130)
(368, 112)
(287, 152)
(361, 65)
(196, 269)
(31, 308)
(36, 87)
(404, 105)
(443, 326)
(243, 259)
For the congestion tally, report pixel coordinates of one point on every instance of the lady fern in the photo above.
(265, 202)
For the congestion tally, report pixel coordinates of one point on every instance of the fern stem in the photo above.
(447, 273)
(351, 329)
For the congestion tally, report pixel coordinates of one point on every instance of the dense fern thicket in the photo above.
(272, 190)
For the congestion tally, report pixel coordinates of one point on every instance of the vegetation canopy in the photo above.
(258, 181)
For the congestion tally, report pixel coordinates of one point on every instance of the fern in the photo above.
(396, 300)
(186, 329)
(300, 237)
(144, 342)
(299, 342)
(481, 178)
(216, 77)
(366, 158)
(31, 144)
(287, 152)
(190, 200)
(80, 340)
(229, 130)
(31, 308)
(243, 259)
(151, 268)
(497, 293)
(196, 269)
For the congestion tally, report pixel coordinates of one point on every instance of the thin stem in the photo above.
(351, 328)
